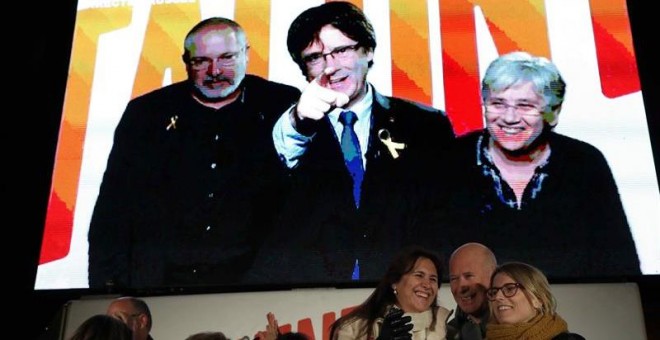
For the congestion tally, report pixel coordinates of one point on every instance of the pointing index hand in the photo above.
(318, 98)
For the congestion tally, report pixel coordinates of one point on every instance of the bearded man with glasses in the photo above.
(532, 193)
(193, 176)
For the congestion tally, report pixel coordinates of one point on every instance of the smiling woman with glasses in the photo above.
(524, 188)
(523, 307)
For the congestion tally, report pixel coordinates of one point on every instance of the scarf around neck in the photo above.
(541, 327)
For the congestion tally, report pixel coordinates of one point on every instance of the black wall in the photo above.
(47, 35)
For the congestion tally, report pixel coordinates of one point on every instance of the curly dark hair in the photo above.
(102, 327)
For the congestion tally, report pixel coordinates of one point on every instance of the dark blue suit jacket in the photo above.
(322, 233)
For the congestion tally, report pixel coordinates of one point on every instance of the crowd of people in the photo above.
(512, 300)
(227, 177)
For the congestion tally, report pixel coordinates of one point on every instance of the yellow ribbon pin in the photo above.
(393, 147)
(172, 124)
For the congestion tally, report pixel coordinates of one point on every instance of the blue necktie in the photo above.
(350, 147)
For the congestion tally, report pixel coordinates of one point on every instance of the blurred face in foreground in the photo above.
(469, 277)
(126, 312)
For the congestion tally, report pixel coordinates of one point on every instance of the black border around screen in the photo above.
(48, 51)
(50, 56)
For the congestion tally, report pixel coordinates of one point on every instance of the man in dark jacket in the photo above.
(192, 178)
(135, 313)
(470, 268)
(357, 183)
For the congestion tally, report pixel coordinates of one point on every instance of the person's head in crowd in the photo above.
(411, 284)
(518, 293)
(102, 327)
(335, 39)
(470, 268)
(135, 313)
(216, 57)
(272, 331)
(415, 270)
(522, 96)
(522, 305)
(293, 336)
(207, 336)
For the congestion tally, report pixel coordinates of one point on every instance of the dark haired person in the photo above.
(356, 157)
(404, 304)
(207, 336)
(522, 306)
(532, 193)
(193, 177)
(135, 313)
(102, 327)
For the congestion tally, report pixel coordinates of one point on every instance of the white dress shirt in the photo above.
(291, 145)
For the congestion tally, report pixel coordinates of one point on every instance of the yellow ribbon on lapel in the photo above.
(172, 124)
(392, 146)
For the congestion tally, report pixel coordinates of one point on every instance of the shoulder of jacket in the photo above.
(578, 149)
(443, 314)
(396, 103)
(252, 80)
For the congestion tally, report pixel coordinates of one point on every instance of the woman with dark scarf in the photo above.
(523, 307)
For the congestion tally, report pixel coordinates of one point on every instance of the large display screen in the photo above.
(430, 51)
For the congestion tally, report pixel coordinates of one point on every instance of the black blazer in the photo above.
(322, 233)
(185, 204)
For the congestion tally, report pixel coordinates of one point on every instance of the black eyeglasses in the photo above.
(341, 52)
(508, 290)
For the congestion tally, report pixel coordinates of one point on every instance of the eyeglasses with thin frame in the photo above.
(498, 107)
(508, 290)
(341, 52)
(228, 59)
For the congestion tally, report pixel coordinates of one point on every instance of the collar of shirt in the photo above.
(502, 189)
(362, 126)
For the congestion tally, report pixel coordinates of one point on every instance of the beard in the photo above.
(205, 94)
